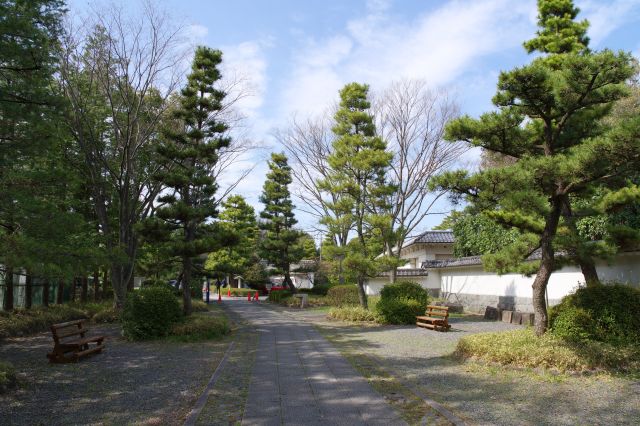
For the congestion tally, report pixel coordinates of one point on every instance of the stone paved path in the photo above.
(301, 379)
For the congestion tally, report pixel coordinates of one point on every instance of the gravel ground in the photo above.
(142, 383)
(487, 394)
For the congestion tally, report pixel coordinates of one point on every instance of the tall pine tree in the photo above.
(279, 239)
(549, 118)
(359, 162)
(189, 151)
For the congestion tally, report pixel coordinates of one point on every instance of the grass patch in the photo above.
(521, 348)
(7, 376)
(353, 314)
(200, 327)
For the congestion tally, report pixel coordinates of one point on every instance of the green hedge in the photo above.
(401, 302)
(604, 313)
(200, 327)
(352, 313)
(238, 292)
(149, 313)
(279, 295)
(343, 295)
(28, 321)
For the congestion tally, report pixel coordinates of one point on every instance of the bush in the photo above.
(200, 327)
(279, 296)
(405, 290)
(107, 316)
(521, 348)
(399, 311)
(27, 321)
(7, 376)
(343, 295)
(319, 290)
(605, 313)
(352, 313)
(150, 312)
(401, 302)
(239, 292)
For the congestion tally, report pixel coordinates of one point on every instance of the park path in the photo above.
(299, 378)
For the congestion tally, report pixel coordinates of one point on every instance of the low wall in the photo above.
(476, 289)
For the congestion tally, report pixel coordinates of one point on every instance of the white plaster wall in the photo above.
(432, 281)
(474, 280)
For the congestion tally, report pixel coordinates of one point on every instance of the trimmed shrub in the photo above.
(7, 376)
(279, 296)
(343, 295)
(27, 321)
(107, 316)
(522, 348)
(401, 302)
(149, 313)
(319, 290)
(606, 313)
(200, 327)
(352, 313)
(239, 292)
(405, 290)
(399, 311)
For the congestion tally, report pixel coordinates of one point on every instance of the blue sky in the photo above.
(296, 54)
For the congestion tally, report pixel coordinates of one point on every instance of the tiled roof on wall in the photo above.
(429, 237)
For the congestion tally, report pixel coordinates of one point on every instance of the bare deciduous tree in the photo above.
(412, 118)
(117, 72)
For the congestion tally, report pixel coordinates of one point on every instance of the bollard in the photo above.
(256, 297)
(219, 296)
(229, 292)
(249, 297)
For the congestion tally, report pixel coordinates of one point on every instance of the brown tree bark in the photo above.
(74, 284)
(362, 296)
(84, 295)
(60, 295)
(8, 289)
(28, 291)
(547, 264)
(186, 285)
(45, 292)
(586, 262)
(96, 286)
(105, 281)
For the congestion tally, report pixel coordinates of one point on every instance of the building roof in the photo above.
(406, 272)
(431, 237)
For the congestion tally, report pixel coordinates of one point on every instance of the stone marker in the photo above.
(516, 318)
(506, 316)
(527, 318)
(491, 313)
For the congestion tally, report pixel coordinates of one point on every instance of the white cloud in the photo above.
(377, 48)
(604, 18)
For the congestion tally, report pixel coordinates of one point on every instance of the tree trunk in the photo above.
(131, 283)
(362, 296)
(587, 265)
(393, 275)
(60, 295)
(74, 284)
(45, 292)
(96, 286)
(186, 285)
(8, 289)
(547, 264)
(105, 278)
(84, 296)
(28, 291)
(289, 283)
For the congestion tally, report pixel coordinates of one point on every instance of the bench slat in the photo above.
(72, 333)
(437, 314)
(81, 342)
(67, 324)
(440, 308)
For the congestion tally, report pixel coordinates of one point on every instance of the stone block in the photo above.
(527, 318)
(491, 313)
(516, 318)
(506, 316)
(507, 303)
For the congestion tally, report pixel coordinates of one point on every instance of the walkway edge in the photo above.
(202, 401)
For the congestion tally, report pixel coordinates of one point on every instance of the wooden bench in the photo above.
(69, 338)
(435, 318)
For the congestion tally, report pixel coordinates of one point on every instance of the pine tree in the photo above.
(558, 31)
(189, 151)
(238, 218)
(358, 164)
(279, 239)
(549, 118)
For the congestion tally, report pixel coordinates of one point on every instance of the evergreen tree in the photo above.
(237, 218)
(189, 151)
(278, 244)
(549, 118)
(358, 165)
